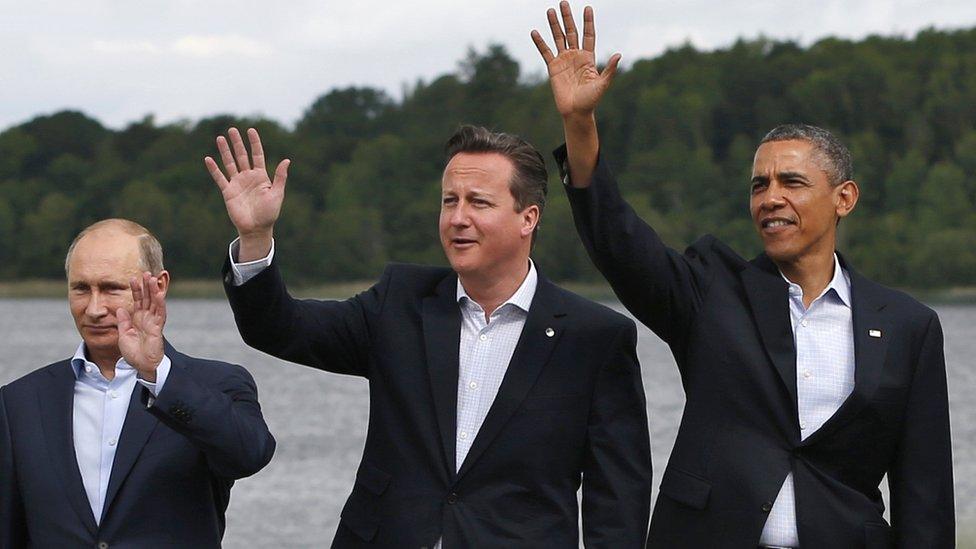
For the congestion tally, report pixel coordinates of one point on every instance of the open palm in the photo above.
(252, 199)
(577, 84)
(141, 331)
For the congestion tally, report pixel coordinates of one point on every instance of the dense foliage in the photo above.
(679, 130)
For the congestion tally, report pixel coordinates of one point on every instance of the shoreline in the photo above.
(213, 289)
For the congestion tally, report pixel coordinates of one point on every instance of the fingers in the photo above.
(572, 37)
(610, 70)
(257, 151)
(589, 30)
(540, 44)
(215, 173)
(240, 153)
(226, 157)
(557, 31)
(157, 300)
(123, 319)
(136, 285)
(148, 284)
(281, 174)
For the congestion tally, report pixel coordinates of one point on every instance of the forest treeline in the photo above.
(679, 130)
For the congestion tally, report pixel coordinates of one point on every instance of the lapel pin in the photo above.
(550, 332)
(874, 333)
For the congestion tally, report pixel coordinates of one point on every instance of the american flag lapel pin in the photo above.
(874, 333)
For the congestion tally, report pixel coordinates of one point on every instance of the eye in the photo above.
(758, 186)
(449, 200)
(481, 203)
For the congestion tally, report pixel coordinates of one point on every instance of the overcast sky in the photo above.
(118, 60)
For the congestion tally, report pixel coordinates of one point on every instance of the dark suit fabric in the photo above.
(571, 405)
(728, 325)
(173, 470)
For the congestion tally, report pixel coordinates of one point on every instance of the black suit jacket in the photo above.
(727, 322)
(174, 466)
(571, 405)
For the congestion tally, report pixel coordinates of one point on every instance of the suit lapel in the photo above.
(442, 333)
(869, 351)
(769, 301)
(531, 354)
(139, 424)
(57, 401)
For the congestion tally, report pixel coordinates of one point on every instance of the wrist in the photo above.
(579, 121)
(254, 246)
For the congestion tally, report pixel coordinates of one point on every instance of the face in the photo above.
(793, 205)
(99, 270)
(480, 230)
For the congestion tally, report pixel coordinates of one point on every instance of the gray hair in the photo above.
(836, 160)
(529, 184)
(150, 250)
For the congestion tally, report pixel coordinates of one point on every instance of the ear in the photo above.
(845, 198)
(530, 219)
(163, 281)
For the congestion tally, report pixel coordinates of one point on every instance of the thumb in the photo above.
(281, 173)
(124, 320)
(610, 70)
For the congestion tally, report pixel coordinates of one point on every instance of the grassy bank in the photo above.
(212, 289)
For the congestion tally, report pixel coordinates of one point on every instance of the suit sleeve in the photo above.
(13, 525)
(922, 508)
(328, 335)
(221, 417)
(659, 286)
(617, 465)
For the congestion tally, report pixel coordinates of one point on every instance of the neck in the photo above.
(490, 291)
(813, 273)
(104, 360)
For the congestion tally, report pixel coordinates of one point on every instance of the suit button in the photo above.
(102, 545)
(452, 498)
(767, 507)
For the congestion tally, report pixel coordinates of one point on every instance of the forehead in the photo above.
(105, 253)
(781, 155)
(487, 170)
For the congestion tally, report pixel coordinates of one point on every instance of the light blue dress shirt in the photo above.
(823, 335)
(98, 413)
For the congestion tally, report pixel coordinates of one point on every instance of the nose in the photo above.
(96, 306)
(459, 215)
(772, 197)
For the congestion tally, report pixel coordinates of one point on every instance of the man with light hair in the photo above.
(129, 442)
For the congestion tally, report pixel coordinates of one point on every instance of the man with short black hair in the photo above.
(494, 394)
(130, 443)
(805, 382)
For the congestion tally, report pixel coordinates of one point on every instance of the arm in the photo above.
(922, 508)
(221, 417)
(661, 287)
(617, 466)
(13, 524)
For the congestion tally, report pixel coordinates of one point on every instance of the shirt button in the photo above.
(113, 394)
(473, 385)
(112, 441)
(463, 434)
(452, 498)
(484, 337)
(767, 507)
(807, 374)
(804, 323)
(803, 426)
(88, 369)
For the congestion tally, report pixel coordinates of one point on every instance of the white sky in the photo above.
(118, 60)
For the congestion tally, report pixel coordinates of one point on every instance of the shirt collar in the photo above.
(522, 298)
(840, 284)
(80, 359)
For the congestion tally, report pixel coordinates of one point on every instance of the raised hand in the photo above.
(253, 201)
(577, 85)
(141, 331)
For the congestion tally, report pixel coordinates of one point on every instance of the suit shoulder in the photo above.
(902, 305)
(38, 376)
(596, 314)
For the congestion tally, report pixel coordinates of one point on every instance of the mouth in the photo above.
(463, 243)
(100, 329)
(773, 225)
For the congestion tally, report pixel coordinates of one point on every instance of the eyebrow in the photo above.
(782, 176)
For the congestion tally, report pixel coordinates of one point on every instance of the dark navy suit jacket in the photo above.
(727, 322)
(174, 467)
(570, 411)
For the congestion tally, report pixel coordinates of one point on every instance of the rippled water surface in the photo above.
(319, 419)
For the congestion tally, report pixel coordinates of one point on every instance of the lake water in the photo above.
(319, 419)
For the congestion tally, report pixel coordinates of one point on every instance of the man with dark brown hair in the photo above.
(494, 394)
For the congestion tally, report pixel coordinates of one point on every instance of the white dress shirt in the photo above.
(486, 347)
(823, 335)
(98, 413)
